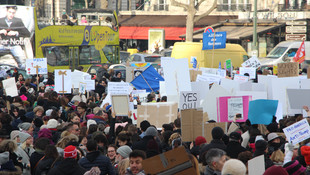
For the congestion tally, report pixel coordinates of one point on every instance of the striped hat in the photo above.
(70, 152)
(294, 168)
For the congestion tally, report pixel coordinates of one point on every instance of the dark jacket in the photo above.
(44, 166)
(210, 171)
(17, 25)
(95, 159)
(233, 149)
(34, 159)
(67, 167)
(142, 144)
(215, 143)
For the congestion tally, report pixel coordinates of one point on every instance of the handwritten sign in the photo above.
(189, 100)
(249, 70)
(241, 78)
(90, 85)
(32, 65)
(211, 78)
(288, 69)
(229, 106)
(235, 106)
(118, 88)
(252, 62)
(297, 132)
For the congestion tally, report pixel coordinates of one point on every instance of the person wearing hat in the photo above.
(234, 167)
(94, 159)
(122, 153)
(150, 134)
(199, 142)
(294, 168)
(234, 145)
(274, 143)
(68, 165)
(25, 150)
(261, 149)
(15, 136)
(275, 170)
(26, 127)
(217, 142)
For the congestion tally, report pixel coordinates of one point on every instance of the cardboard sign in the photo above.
(193, 74)
(241, 78)
(297, 132)
(118, 88)
(256, 165)
(208, 129)
(262, 111)
(249, 70)
(252, 62)
(191, 124)
(288, 69)
(298, 98)
(32, 65)
(189, 100)
(228, 107)
(157, 113)
(120, 104)
(63, 81)
(308, 73)
(175, 162)
(10, 87)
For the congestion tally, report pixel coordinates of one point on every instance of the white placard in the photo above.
(212, 78)
(252, 62)
(10, 87)
(256, 165)
(298, 98)
(77, 78)
(297, 132)
(118, 88)
(90, 85)
(235, 106)
(241, 78)
(201, 78)
(221, 72)
(230, 85)
(162, 88)
(189, 100)
(63, 81)
(255, 94)
(251, 71)
(201, 87)
(31, 65)
(137, 92)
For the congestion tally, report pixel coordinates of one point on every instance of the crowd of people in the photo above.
(43, 132)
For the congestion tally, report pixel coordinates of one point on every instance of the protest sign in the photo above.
(221, 73)
(288, 69)
(10, 87)
(76, 78)
(201, 78)
(230, 85)
(193, 74)
(82, 88)
(254, 94)
(189, 100)
(249, 70)
(191, 124)
(229, 107)
(212, 78)
(297, 132)
(241, 78)
(256, 165)
(118, 88)
(208, 129)
(252, 62)
(206, 70)
(90, 85)
(228, 64)
(214, 40)
(157, 113)
(262, 111)
(298, 98)
(63, 81)
(305, 84)
(162, 88)
(34, 65)
(202, 87)
(120, 104)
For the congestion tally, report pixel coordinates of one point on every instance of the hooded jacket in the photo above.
(67, 167)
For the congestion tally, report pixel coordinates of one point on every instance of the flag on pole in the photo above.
(300, 55)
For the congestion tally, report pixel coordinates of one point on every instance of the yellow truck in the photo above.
(204, 57)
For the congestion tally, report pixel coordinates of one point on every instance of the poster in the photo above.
(82, 88)
(288, 69)
(191, 124)
(298, 98)
(63, 81)
(90, 85)
(235, 106)
(77, 78)
(262, 111)
(228, 107)
(241, 78)
(118, 88)
(156, 40)
(120, 104)
(189, 100)
(252, 62)
(15, 40)
(256, 165)
(248, 70)
(297, 132)
(10, 87)
(33, 64)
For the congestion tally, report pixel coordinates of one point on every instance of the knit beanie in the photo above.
(275, 170)
(217, 133)
(24, 126)
(151, 131)
(234, 167)
(52, 123)
(261, 145)
(124, 151)
(305, 151)
(23, 136)
(14, 134)
(91, 122)
(294, 167)
(70, 152)
(200, 140)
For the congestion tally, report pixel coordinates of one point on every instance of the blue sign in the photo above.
(219, 40)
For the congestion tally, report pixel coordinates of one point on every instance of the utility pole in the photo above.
(254, 44)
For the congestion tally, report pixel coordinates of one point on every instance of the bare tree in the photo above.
(191, 19)
(86, 4)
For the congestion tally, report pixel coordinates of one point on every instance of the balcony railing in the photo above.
(161, 7)
(296, 7)
(234, 7)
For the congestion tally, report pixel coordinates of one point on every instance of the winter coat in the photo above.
(95, 159)
(233, 149)
(67, 167)
(215, 143)
(142, 144)
(20, 152)
(34, 159)
(44, 166)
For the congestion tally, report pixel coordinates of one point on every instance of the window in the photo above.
(111, 54)
(56, 55)
(152, 59)
(276, 52)
(89, 55)
(233, 5)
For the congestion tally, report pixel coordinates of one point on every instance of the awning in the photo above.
(131, 32)
(237, 32)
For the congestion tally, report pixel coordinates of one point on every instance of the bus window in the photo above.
(89, 55)
(57, 56)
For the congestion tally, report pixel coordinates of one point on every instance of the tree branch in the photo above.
(179, 4)
(214, 6)
(199, 3)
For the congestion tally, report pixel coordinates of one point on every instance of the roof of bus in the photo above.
(92, 10)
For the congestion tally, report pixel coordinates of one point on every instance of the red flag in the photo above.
(300, 55)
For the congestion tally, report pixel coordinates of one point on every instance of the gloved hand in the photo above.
(290, 146)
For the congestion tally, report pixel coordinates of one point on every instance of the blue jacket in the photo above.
(94, 159)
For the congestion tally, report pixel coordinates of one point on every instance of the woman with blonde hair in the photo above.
(25, 150)
(122, 166)
(66, 139)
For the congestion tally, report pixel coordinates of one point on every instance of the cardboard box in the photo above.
(175, 162)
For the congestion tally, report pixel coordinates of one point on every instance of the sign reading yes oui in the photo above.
(189, 100)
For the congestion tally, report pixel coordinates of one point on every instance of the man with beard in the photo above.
(135, 163)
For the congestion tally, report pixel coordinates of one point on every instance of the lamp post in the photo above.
(254, 44)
